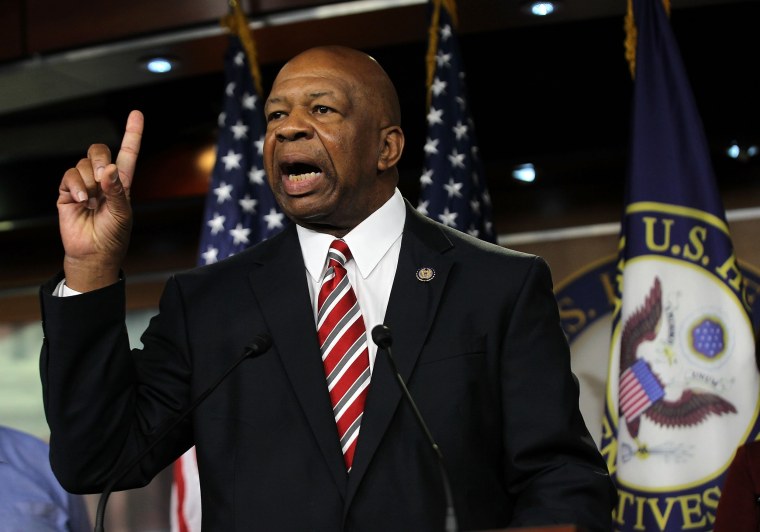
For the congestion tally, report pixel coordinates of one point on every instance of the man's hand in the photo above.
(94, 211)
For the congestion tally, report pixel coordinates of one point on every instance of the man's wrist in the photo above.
(82, 276)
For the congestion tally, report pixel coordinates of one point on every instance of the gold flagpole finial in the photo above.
(237, 23)
(631, 35)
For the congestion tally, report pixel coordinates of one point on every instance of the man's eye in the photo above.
(322, 109)
(274, 115)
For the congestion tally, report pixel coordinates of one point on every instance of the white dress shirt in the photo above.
(375, 245)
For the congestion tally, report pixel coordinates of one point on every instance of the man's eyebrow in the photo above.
(321, 93)
(310, 96)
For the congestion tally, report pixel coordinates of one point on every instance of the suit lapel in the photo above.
(409, 316)
(279, 285)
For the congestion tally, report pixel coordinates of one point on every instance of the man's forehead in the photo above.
(312, 75)
(308, 87)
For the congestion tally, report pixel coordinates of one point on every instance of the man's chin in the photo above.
(320, 223)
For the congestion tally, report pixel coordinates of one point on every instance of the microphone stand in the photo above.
(261, 343)
(381, 334)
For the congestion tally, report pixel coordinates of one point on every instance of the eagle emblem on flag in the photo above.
(642, 391)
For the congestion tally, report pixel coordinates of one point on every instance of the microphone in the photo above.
(381, 335)
(258, 346)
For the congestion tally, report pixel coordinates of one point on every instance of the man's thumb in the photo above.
(115, 193)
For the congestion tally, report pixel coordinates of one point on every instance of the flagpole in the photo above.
(237, 23)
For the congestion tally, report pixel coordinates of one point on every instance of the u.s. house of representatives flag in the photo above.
(682, 388)
(452, 186)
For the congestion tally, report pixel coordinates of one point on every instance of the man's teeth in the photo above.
(301, 177)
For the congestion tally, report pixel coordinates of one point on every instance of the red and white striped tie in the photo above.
(343, 343)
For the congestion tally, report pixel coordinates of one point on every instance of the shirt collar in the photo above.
(369, 241)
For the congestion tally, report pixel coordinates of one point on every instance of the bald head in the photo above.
(361, 71)
(333, 138)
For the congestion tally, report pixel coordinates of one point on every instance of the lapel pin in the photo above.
(425, 274)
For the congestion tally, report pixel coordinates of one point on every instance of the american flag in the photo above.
(240, 208)
(639, 389)
(240, 211)
(452, 186)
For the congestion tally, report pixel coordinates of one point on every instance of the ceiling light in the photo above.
(159, 64)
(524, 172)
(741, 152)
(541, 8)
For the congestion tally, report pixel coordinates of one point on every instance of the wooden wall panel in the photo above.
(365, 31)
(54, 25)
(11, 30)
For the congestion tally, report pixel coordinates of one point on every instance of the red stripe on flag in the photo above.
(179, 482)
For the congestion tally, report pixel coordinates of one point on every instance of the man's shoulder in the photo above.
(476, 245)
(467, 246)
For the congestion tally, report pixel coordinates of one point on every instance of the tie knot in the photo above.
(339, 252)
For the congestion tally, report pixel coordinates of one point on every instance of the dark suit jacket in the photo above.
(480, 346)
(739, 506)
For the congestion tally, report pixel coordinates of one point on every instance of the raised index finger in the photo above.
(126, 160)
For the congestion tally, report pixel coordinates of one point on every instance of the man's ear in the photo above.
(391, 147)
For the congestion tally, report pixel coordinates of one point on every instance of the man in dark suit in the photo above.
(475, 329)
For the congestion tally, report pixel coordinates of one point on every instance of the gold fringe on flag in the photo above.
(631, 34)
(237, 23)
(451, 7)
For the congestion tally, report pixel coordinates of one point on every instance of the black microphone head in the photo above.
(381, 335)
(259, 345)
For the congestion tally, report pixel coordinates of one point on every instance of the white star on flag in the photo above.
(453, 188)
(438, 87)
(249, 101)
(274, 219)
(239, 130)
(240, 234)
(431, 146)
(223, 192)
(210, 255)
(448, 218)
(232, 160)
(435, 116)
(216, 223)
(460, 131)
(426, 178)
(456, 159)
(443, 59)
(259, 144)
(256, 175)
(248, 204)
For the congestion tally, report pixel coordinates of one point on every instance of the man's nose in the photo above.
(293, 127)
